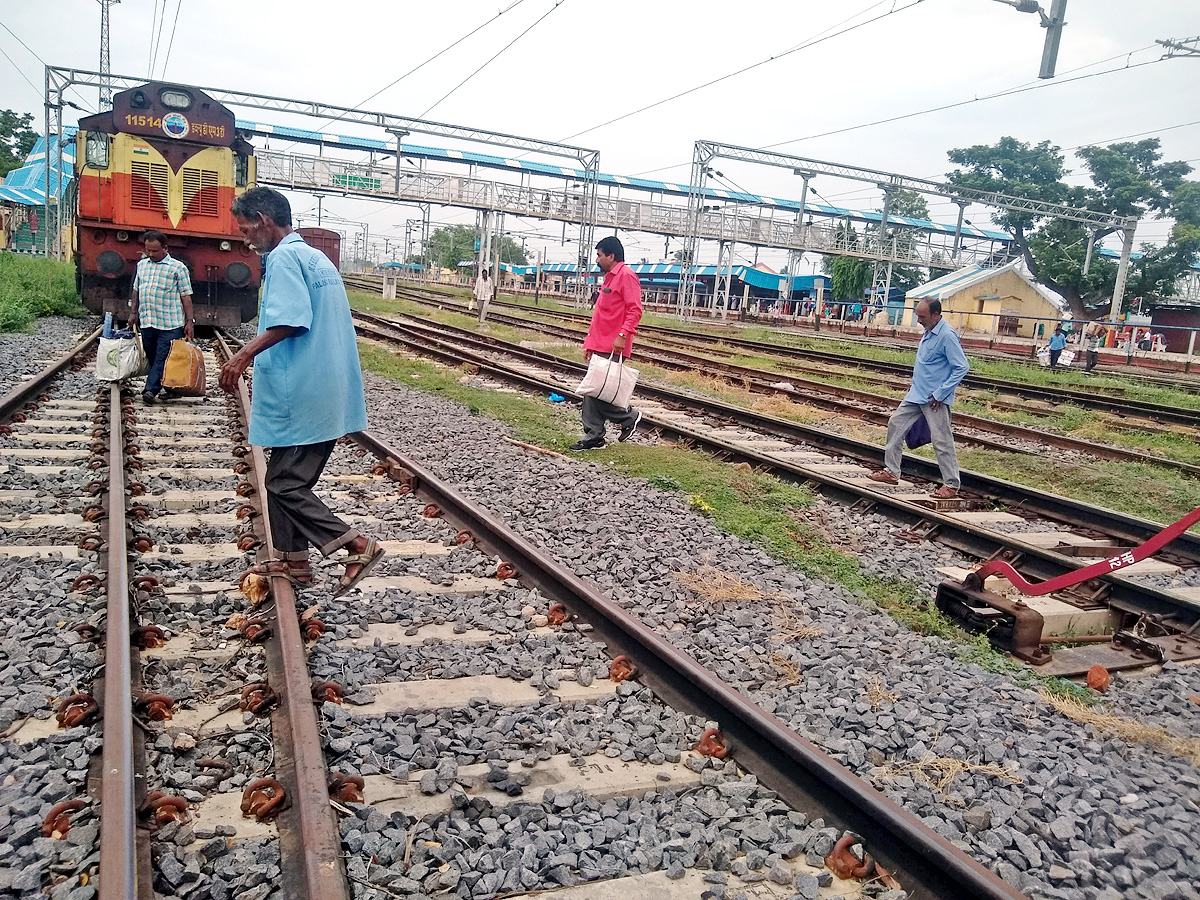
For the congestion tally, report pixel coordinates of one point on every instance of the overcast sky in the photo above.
(585, 63)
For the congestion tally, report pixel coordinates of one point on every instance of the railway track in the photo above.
(875, 408)
(224, 770)
(1048, 535)
(1115, 406)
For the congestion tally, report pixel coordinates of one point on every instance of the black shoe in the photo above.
(168, 394)
(148, 398)
(628, 430)
(585, 444)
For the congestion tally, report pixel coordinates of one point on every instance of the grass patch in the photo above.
(1138, 489)
(32, 287)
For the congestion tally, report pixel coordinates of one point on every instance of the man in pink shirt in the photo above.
(614, 323)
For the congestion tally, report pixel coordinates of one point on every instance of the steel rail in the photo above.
(806, 777)
(1114, 405)
(763, 381)
(1124, 593)
(21, 394)
(309, 842)
(1064, 509)
(118, 810)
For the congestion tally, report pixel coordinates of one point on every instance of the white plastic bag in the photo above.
(610, 380)
(120, 358)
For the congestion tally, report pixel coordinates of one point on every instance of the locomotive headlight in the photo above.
(225, 245)
(110, 263)
(237, 274)
(174, 99)
(122, 235)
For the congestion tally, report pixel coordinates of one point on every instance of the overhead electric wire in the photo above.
(171, 43)
(34, 54)
(998, 94)
(556, 5)
(1021, 88)
(811, 42)
(162, 21)
(22, 74)
(418, 67)
(150, 55)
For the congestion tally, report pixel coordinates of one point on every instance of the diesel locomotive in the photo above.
(169, 158)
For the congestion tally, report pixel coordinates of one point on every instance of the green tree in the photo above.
(451, 244)
(16, 139)
(911, 205)
(1127, 179)
(849, 276)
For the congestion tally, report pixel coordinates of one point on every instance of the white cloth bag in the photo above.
(609, 379)
(120, 358)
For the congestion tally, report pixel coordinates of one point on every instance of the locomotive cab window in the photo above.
(241, 169)
(97, 150)
(175, 99)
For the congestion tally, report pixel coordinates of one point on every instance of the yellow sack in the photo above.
(184, 371)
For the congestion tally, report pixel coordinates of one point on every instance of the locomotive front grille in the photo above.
(149, 185)
(200, 194)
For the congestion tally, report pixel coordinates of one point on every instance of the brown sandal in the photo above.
(368, 559)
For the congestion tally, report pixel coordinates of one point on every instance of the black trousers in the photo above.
(298, 518)
(1054, 355)
(156, 342)
(597, 412)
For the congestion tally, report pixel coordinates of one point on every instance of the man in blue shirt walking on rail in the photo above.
(308, 390)
(941, 365)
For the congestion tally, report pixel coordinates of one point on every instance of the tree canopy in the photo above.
(16, 139)
(450, 244)
(1126, 180)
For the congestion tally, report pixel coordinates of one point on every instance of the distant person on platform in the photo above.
(940, 367)
(1094, 340)
(161, 307)
(1058, 341)
(484, 293)
(308, 390)
(614, 323)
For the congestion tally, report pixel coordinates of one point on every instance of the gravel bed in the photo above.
(42, 659)
(1067, 812)
(23, 354)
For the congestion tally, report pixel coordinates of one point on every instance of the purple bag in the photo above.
(918, 435)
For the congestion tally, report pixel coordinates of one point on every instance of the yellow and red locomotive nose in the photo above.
(168, 158)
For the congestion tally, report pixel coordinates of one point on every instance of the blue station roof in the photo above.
(665, 272)
(491, 161)
(27, 185)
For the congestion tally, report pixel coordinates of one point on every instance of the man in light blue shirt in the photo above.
(308, 389)
(940, 367)
(1058, 341)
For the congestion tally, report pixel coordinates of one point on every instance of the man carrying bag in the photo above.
(608, 344)
(162, 305)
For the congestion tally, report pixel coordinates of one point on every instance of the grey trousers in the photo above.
(298, 517)
(939, 430)
(597, 412)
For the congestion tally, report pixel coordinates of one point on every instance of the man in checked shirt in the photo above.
(162, 306)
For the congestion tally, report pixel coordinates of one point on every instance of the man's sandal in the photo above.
(368, 559)
(300, 576)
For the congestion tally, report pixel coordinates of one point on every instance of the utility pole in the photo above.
(320, 197)
(1053, 23)
(106, 93)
